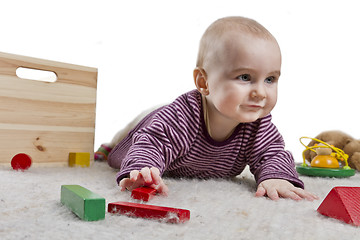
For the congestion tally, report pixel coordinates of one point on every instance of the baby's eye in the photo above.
(244, 77)
(269, 80)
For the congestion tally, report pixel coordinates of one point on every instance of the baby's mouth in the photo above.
(253, 107)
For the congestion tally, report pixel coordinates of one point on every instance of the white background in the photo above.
(145, 52)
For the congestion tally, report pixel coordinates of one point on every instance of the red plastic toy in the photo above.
(143, 193)
(171, 215)
(21, 161)
(342, 203)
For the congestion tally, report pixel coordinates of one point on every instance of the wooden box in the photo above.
(46, 120)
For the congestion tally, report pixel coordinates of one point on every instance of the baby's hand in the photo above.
(146, 177)
(276, 188)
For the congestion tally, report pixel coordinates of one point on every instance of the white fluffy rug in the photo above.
(30, 208)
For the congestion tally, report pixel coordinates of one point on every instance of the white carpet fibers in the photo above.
(30, 208)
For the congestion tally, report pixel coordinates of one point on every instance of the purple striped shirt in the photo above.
(174, 139)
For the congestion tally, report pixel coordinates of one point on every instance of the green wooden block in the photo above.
(87, 205)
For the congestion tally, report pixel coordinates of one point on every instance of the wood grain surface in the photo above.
(46, 120)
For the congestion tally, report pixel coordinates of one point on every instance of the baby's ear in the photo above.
(200, 79)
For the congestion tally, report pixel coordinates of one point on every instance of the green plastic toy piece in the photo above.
(87, 205)
(325, 172)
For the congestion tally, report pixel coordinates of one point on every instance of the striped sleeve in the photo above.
(268, 159)
(150, 148)
(165, 137)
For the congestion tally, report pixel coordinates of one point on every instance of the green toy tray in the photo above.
(325, 172)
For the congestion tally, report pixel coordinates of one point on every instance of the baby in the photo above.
(223, 125)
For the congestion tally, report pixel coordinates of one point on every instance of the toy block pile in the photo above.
(90, 206)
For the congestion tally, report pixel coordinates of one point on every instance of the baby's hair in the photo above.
(215, 32)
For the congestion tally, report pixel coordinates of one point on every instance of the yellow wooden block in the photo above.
(79, 159)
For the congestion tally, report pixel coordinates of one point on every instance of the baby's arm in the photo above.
(276, 188)
(146, 177)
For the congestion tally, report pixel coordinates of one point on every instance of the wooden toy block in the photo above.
(342, 203)
(21, 161)
(85, 204)
(79, 159)
(171, 215)
(143, 193)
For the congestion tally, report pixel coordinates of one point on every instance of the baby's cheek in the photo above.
(232, 97)
(271, 103)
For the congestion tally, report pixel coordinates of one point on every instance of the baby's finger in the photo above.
(155, 174)
(134, 175)
(125, 183)
(128, 184)
(272, 194)
(290, 194)
(260, 192)
(146, 174)
(306, 195)
(163, 189)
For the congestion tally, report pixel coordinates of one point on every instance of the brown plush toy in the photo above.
(340, 140)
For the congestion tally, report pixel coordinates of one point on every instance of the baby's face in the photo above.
(243, 78)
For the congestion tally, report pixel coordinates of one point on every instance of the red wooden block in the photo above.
(342, 203)
(143, 193)
(21, 161)
(171, 215)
